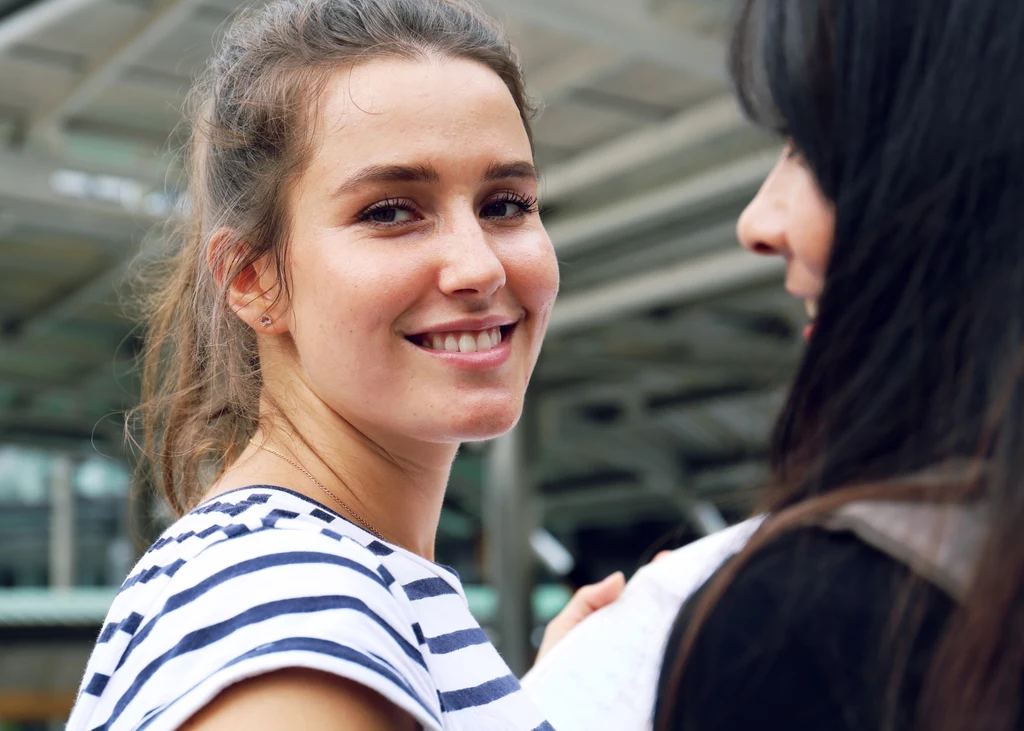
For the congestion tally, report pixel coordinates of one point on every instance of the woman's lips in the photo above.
(811, 305)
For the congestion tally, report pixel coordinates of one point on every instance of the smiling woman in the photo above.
(365, 284)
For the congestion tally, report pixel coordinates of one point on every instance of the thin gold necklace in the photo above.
(319, 484)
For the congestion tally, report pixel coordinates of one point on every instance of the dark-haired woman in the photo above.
(886, 590)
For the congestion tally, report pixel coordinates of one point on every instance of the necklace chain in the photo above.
(307, 473)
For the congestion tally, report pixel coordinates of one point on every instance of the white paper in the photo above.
(603, 675)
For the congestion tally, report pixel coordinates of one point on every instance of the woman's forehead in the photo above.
(437, 114)
(392, 95)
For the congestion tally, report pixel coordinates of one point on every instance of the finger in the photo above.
(589, 599)
(594, 597)
(660, 555)
(584, 602)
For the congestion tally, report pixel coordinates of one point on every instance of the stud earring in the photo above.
(265, 320)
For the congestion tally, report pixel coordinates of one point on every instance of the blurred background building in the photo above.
(648, 416)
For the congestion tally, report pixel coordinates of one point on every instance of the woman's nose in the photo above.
(762, 227)
(473, 267)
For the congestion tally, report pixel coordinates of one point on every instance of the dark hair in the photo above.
(252, 115)
(907, 113)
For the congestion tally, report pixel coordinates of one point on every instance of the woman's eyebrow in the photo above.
(506, 170)
(377, 174)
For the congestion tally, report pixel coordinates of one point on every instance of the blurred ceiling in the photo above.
(669, 345)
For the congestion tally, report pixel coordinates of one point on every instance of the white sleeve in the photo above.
(263, 602)
(604, 673)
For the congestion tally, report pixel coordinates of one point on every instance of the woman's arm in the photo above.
(298, 698)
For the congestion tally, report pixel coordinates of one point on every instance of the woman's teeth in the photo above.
(812, 308)
(467, 342)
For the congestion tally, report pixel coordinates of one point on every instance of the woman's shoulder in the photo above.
(256, 526)
(250, 582)
(256, 547)
(802, 637)
(826, 590)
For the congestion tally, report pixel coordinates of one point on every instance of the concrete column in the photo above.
(62, 524)
(508, 522)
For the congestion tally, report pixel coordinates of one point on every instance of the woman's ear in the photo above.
(255, 294)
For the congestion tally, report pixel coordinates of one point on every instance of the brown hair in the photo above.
(252, 117)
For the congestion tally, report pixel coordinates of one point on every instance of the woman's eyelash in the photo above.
(528, 204)
(400, 204)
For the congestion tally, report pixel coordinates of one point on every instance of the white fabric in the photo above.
(261, 579)
(603, 675)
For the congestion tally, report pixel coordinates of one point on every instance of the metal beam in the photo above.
(686, 282)
(570, 71)
(169, 15)
(616, 263)
(622, 498)
(639, 38)
(92, 291)
(663, 474)
(37, 17)
(687, 130)
(36, 189)
(586, 230)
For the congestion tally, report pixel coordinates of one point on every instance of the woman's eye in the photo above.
(390, 215)
(509, 208)
(501, 209)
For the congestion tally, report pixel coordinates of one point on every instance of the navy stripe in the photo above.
(378, 549)
(444, 644)
(97, 684)
(481, 695)
(236, 529)
(230, 530)
(425, 588)
(331, 534)
(129, 624)
(418, 631)
(319, 647)
(297, 496)
(386, 575)
(322, 515)
(153, 572)
(450, 570)
(290, 558)
(271, 518)
(545, 727)
(384, 661)
(232, 509)
(213, 633)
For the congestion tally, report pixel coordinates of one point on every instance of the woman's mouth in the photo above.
(473, 349)
(467, 342)
(811, 304)
(463, 342)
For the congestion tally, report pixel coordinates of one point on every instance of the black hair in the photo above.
(909, 115)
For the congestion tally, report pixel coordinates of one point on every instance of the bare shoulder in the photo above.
(300, 698)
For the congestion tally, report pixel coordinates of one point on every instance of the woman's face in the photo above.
(791, 218)
(422, 279)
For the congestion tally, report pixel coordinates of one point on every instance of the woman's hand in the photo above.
(584, 602)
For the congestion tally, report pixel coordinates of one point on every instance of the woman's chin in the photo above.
(480, 424)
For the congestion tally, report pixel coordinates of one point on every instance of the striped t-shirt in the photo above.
(262, 578)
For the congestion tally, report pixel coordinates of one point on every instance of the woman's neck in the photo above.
(396, 486)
